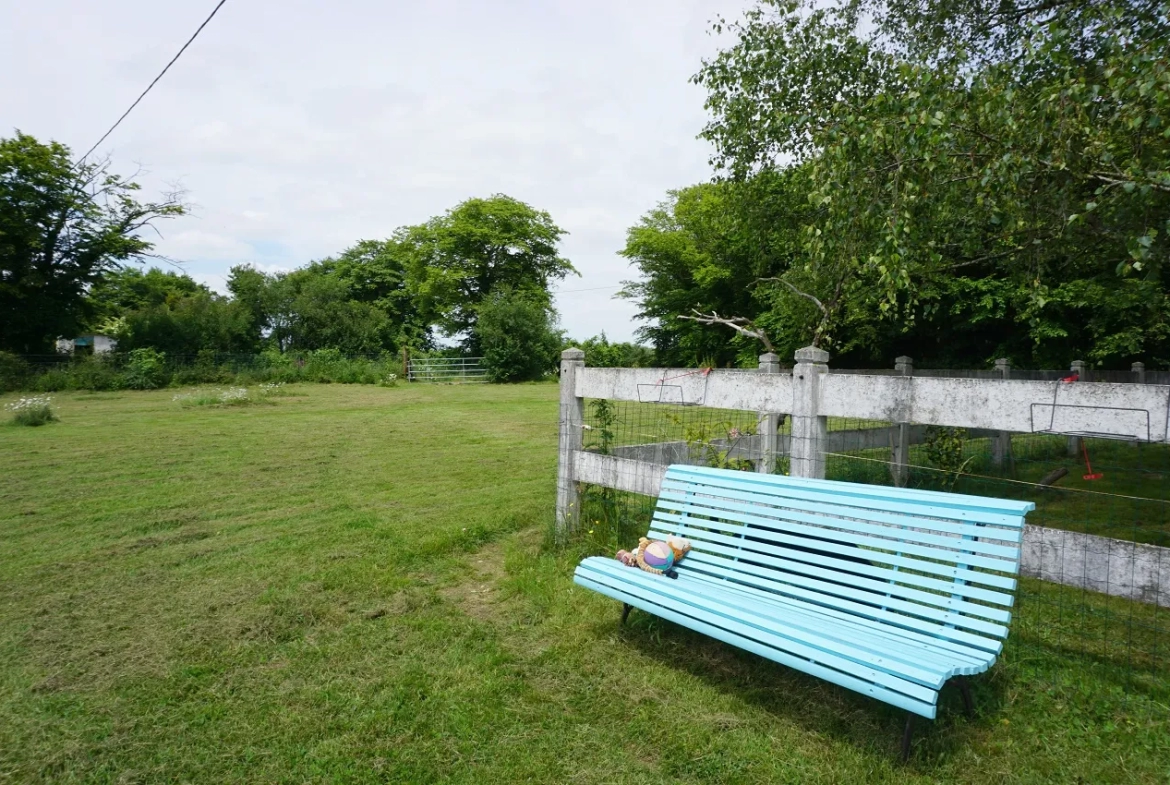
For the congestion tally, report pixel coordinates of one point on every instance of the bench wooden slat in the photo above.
(780, 637)
(791, 560)
(758, 483)
(892, 610)
(648, 604)
(871, 522)
(945, 650)
(800, 523)
(873, 636)
(841, 489)
(846, 654)
(826, 552)
(860, 588)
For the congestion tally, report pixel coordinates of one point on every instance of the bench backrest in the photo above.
(938, 564)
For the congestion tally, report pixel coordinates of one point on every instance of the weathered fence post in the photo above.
(1074, 442)
(900, 460)
(572, 423)
(768, 424)
(1139, 372)
(810, 431)
(1001, 444)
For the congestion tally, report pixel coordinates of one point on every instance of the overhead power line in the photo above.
(153, 83)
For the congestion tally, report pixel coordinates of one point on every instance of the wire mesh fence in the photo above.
(1106, 501)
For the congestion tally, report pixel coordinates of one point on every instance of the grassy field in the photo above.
(349, 585)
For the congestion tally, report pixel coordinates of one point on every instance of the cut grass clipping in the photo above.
(231, 396)
(350, 587)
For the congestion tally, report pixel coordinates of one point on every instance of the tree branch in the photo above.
(806, 295)
(740, 324)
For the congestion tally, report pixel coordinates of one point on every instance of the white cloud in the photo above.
(301, 128)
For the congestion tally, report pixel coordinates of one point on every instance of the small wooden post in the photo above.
(1001, 444)
(572, 421)
(768, 423)
(900, 460)
(1074, 442)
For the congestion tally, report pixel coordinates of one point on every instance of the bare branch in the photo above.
(1107, 178)
(740, 324)
(806, 295)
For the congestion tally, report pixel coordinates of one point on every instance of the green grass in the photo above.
(348, 585)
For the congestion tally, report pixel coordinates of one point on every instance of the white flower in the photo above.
(31, 402)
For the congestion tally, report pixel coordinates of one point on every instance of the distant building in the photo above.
(97, 344)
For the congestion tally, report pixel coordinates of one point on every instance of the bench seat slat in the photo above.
(696, 527)
(847, 657)
(667, 612)
(760, 483)
(813, 525)
(796, 561)
(860, 588)
(901, 644)
(940, 656)
(880, 524)
(943, 649)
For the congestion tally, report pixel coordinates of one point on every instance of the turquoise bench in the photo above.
(889, 592)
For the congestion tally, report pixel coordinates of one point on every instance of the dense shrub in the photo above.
(14, 372)
(517, 336)
(146, 369)
(51, 380)
(100, 372)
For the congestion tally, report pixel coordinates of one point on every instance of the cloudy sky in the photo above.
(298, 127)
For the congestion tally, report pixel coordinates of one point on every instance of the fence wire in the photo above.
(1115, 491)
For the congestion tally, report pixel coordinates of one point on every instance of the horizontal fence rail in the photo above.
(894, 412)
(448, 370)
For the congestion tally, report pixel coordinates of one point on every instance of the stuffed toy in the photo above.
(655, 556)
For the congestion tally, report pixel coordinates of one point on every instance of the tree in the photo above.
(458, 260)
(184, 326)
(517, 333)
(119, 292)
(62, 226)
(322, 314)
(704, 250)
(986, 177)
(601, 353)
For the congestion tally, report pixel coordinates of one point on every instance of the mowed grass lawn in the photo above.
(349, 585)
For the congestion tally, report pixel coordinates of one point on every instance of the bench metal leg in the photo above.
(626, 608)
(906, 736)
(968, 704)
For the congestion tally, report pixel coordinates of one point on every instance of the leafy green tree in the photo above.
(324, 315)
(62, 226)
(456, 261)
(122, 291)
(183, 327)
(601, 353)
(702, 251)
(985, 177)
(517, 333)
(253, 290)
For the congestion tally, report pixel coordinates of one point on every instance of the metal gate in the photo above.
(447, 370)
